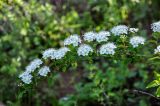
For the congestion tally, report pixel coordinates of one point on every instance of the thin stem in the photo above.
(145, 93)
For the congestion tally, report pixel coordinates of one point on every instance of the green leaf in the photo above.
(157, 75)
(152, 41)
(20, 95)
(158, 92)
(153, 84)
(154, 58)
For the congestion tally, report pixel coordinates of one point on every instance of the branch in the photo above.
(145, 93)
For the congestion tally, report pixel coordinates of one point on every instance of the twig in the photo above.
(145, 93)
(105, 95)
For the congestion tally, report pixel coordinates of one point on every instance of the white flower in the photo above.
(60, 53)
(102, 36)
(119, 30)
(64, 49)
(48, 53)
(89, 36)
(44, 71)
(84, 50)
(23, 74)
(26, 77)
(157, 50)
(33, 65)
(155, 26)
(73, 39)
(108, 48)
(133, 30)
(136, 40)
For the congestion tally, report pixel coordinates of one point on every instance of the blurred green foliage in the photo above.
(29, 27)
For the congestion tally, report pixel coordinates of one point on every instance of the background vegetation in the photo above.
(31, 26)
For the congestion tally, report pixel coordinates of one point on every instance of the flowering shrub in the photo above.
(30, 26)
(92, 44)
(83, 49)
(110, 42)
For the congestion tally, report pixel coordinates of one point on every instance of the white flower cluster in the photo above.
(99, 37)
(73, 39)
(102, 36)
(55, 54)
(108, 48)
(133, 30)
(157, 50)
(136, 41)
(89, 36)
(33, 65)
(44, 71)
(48, 53)
(155, 26)
(84, 50)
(60, 53)
(119, 30)
(26, 76)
